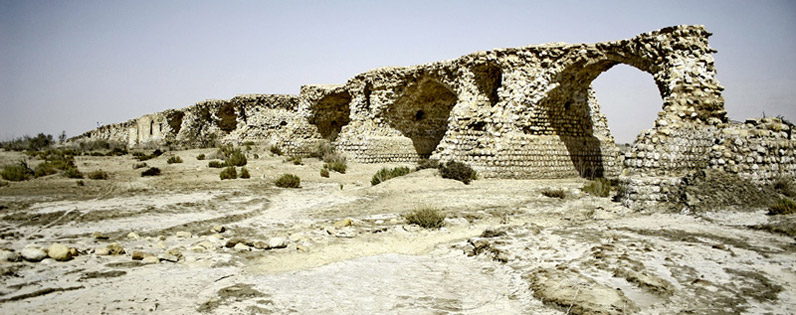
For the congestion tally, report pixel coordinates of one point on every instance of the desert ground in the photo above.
(194, 243)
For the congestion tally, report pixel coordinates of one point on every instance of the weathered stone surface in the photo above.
(59, 252)
(527, 112)
(33, 253)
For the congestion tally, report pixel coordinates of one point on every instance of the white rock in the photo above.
(150, 260)
(277, 242)
(59, 252)
(102, 251)
(33, 253)
(133, 235)
(184, 234)
(218, 229)
(168, 257)
(241, 247)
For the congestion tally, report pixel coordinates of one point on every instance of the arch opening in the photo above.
(629, 99)
(421, 114)
(488, 79)
(331, 113)
(228, 118)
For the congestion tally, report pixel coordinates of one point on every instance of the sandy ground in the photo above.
(344, 247)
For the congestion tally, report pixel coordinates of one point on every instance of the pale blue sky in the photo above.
(66, 65)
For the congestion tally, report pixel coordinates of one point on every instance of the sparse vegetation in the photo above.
(782, 206)
(785, 185)
(599, 187)
(139, 165)
(244, 173)
(152, 171)
(288, 181)
(216, 164)
(256, 156)
(39, 142)
(236, 158)
(228, 173)
(73, 173)
(295, 159)
(140, 156)
(324, 173)
(98, 175)
(385, 174)
(17, 172)
(554, 193)
(323, 149)
(426, 163)
(427, 217)
(174, 159)
(44, 169)
(275, 150)
(3, 183)
(458, 171)
(337, 166)
(200, 157)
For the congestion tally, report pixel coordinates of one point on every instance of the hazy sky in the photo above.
(66, 65)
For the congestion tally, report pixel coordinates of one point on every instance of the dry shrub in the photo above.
(216, 164)
(554, 193)
(599, 187)
(98, 175)
(782, 206)
(295, 159)
(236, 158)
(427, 163)
(288, 181)
(174, 159)
(336, 166)
(386, 174)
(152, 171)
(785, 185)
(275, 150)
(201, 157)
(324, 173)
(228, 173)
(73, 173)
(244, 173)
(17, 172)
(458, 171)
(427, 217)
(139, 165)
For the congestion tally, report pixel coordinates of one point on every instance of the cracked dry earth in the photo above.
(340, 245)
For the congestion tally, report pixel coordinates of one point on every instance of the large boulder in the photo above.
(33, 253)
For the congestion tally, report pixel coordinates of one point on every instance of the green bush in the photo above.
(43, 169)
(336, 166)
(426, 217)
(385, 174)
(139, 165)
(200, 157)
(599, 187)
(458, 171)
(143, 156)
(244, 173)
(236, 158)
(324, 173)
(275, 150)
(39, 142)
(228, 173)
(152, 171)
(782, 206)
(288, 181)
(216, 164)
(426, 163)
(98, 175)
(17, 172)
(554, 193)
(174, 159)
(73, 173)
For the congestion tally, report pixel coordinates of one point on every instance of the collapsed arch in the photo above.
(330, 114)
(228, 119)
(421, 114)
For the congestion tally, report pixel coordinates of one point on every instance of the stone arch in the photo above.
(574, 115)
(421, 113)
(331, 113)
(623, 84)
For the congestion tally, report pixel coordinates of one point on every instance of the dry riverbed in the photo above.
(193, 243)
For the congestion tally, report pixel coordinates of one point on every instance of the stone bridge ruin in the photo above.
(527, 112)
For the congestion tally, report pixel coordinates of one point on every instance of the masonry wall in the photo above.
(527, 112)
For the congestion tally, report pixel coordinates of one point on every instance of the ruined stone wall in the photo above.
(527, 112)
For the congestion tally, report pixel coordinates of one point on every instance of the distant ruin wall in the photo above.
(527, 112)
